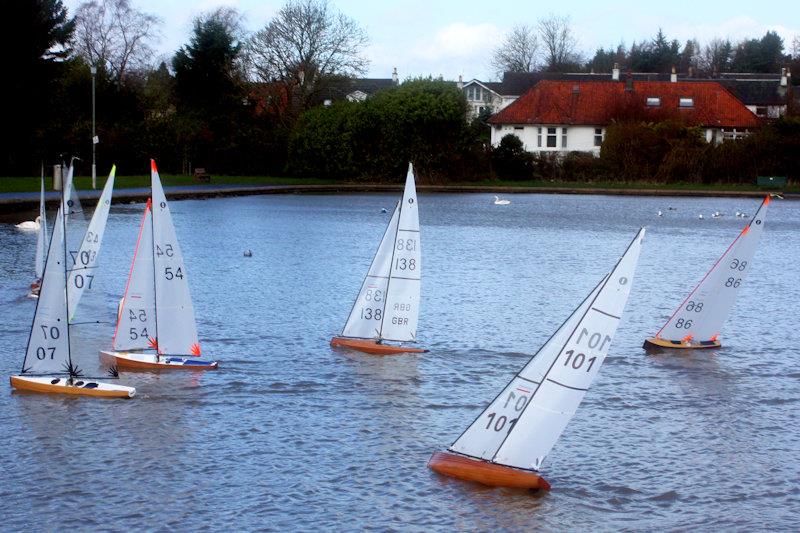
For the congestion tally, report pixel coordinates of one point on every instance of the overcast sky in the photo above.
(456, 37)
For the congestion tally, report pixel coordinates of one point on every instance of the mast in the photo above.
(153, 254)
(391, 266)
(66, 286)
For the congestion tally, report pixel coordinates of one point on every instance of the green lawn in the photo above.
(13, 184)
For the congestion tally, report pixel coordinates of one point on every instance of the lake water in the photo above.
(290, 435)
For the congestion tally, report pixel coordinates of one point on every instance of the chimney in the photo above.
(691, 71)
(395, 78)
(615, 72)
(674, 76)
(460, 82)
(784, 77)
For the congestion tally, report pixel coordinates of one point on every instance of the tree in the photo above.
(36, 35)
(114, 36)
(759, 55)
(307, 44)
(716, 57)
(604, 60)
(517, 53)
(208, 88)
(559, 44)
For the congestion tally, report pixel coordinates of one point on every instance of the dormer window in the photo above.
(686, 102)
(653, 101)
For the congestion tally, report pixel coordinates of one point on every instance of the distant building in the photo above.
(561, 116)
(356, 89)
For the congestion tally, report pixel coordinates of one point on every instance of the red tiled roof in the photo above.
(600, 102)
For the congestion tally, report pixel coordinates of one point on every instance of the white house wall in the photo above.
(579, 138)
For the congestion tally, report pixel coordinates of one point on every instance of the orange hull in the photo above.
(484, 472)
(372, 347)
(121, 361)
(656, 344)
(45, 385)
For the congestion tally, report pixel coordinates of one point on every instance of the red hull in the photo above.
(484, 472)
(372, 347)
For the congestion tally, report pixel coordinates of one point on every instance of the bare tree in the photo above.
(307, 43)
(716, 56)
(559, 43)
(517, 53)
(796, 47)
(113, 35)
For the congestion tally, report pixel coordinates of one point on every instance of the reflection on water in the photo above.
(290, 434)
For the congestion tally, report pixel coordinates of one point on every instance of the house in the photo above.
(356, 89)
(766, 95)
(562, 116)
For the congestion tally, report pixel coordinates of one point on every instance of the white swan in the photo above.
(660, 213)
(701, 216)
(498, 201)
(30, 225)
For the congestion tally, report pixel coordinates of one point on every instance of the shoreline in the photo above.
(15, 202)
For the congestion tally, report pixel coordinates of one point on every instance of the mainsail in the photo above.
(701, 315)
(48, 344)
(41, 238)
(136, 323)
(387, 307)
(83, 262)
(522, 424)
(175, 320)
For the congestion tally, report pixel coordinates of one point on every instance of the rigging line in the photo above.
(90, 322)
(153, 250)
(407, 279)
(518, 374)
(728, 249)
(370, 268)
(81, 268)
(577, 325)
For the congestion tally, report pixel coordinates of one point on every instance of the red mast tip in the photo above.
(153, 165)
(766, 200)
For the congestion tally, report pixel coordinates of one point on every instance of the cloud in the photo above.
(458, 41)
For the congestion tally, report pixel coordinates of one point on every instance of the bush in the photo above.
(510, 161)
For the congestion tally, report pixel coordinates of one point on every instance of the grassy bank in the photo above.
(14, 184)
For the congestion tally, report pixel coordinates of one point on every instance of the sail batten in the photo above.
(522, 423)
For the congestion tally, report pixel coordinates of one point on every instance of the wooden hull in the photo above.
(78, 387)
(484, 472)
(654, 344)
(146, 361)
(372, 347)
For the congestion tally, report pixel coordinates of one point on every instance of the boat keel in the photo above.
(484, 472)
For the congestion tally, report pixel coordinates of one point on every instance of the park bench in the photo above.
(201, 175)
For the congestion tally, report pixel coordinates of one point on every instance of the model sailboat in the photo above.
(506, 444)
(48, 365)
(387, 307)
(41, 244)
(698, 321)
(156, 326)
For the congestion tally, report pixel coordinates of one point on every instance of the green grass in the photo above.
(13, 184)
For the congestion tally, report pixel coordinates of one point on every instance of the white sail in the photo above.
(136, 323)
(523, 423)
(366, 316)
(41, 238)
(83, 262)
(175, 319)
(701, 315)
(72, 200)
(48, 344)
(401, 307)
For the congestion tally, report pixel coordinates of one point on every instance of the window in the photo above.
(653, 101)
(761, 111)
(518, 128)
(539, 137)
(552, 137)
(563, 137)
(686, 102)
(598, 136)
